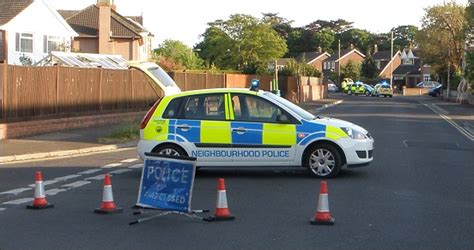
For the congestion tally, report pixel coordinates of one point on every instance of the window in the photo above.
(205, 107)
(51, 43)
(173, 108)
(408, 61)
(426, 78)
(333, 65)
(24, 42)
(254, 109)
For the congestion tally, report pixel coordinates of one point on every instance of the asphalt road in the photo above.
(418, 193)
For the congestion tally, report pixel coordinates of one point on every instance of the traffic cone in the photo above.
(323, 216)
(40, 201)
(222, 211)
(108, 205)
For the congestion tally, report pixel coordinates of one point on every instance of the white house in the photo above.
(30, 29)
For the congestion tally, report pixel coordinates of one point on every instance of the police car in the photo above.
(241, 127)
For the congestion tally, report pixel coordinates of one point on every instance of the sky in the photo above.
(186, 20)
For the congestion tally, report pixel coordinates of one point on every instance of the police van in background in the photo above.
(240, 127)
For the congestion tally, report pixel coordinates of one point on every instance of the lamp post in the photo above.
(448, 85)
(338, 62)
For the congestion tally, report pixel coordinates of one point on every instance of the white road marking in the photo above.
(97, 177)
(15, 191)
(130, 160)
(462, 130)
(54, 191)
(120, 171)
(112, 165)
(91, 171)
(45, 183)
(136, 166)
(2, 209)
(18, 201)
(67, 177)
(76, 184)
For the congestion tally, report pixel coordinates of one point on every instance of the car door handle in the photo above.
(239, 130)
(184, 127)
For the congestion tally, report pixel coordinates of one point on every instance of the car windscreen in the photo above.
(162, 76)
(293, 107)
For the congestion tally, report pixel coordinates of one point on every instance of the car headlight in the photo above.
(354, 134)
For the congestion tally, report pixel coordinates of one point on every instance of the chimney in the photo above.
(376, 48)
(320, 50)
(352, 46)
(104, 26)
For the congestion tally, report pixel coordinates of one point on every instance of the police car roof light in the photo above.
(254, 84)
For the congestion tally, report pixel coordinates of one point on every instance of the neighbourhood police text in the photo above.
(241, 153)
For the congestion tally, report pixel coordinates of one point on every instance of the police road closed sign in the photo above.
(167, 184)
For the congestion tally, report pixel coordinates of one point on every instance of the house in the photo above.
(315, 58)
(411, 70)
(29, 30)
(331, 64)
(102, 30)
(385, 62)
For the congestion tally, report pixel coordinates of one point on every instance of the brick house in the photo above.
(102, 30)
(314, 58)
(331, 64)
(385, 63)
(411, 70)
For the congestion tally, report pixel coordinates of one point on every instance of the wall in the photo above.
(415, 91)
(85, 45)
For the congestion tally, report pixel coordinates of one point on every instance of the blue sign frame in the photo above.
(167, 183)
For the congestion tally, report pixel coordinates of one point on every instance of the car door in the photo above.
(258, 137)
(204, 128)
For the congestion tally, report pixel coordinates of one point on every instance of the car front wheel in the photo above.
(323, 161)
(170, 149)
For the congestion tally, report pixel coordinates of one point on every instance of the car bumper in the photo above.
(358, 152)
(145, 146)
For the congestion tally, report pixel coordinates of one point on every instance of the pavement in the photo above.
(85, 141)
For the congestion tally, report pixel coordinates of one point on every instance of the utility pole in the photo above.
(391, 58)
(338, 62)
(449, 71)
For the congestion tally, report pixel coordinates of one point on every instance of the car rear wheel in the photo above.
(323, 161)
(170, 149)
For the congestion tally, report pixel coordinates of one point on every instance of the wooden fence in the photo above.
(47, 92)
(30, 92)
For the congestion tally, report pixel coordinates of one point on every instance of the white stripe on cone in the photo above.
(39, 189)
(107, 195)
(221, 199)
(323, 204)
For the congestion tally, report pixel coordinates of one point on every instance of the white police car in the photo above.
(240, 127)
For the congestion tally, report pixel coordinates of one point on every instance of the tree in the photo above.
(404, 36)
(281, 25)
(368, 68)
(177, 52)
(442, 37)
(243, 42)
(361, 39)
(469, 31)
(351, 70)
(324, 39)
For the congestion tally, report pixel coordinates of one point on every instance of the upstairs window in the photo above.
(24, 42)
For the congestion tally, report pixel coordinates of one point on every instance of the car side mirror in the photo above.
(282, 118)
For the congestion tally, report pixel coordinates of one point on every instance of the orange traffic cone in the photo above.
(108, 205)
(323, 216)
(40, 201)
(222, 210)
